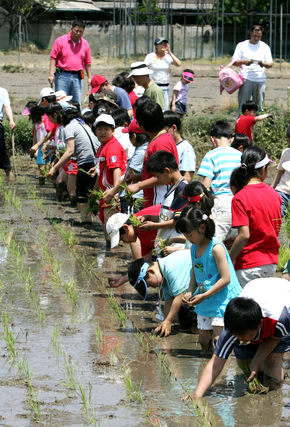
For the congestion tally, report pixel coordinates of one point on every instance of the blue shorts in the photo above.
(248, 351)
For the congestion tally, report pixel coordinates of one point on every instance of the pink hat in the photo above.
(25, 112)
(189, 77)
(97, 81)
(133, 127)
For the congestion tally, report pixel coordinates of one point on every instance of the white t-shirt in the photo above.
(284, 183)
(124, 140)
(159, 66)
(257, 52)
(4, 100)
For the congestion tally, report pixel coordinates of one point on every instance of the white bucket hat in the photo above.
(113, 226)
(62, 96)
(139, 69)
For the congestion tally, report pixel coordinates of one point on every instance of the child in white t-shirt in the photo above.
(180, 93)
(281, 182)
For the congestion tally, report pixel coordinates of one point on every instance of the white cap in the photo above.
(113, 226)
(104, 118)
(62, 96)
(139, 69)
(45, 92)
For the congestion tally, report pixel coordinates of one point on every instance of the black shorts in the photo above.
(84, 183)
(180, 108)
(4, 158)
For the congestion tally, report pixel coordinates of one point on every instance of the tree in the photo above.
(11, 10)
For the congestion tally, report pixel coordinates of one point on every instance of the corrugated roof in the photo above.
(175, 4)
(77, 6)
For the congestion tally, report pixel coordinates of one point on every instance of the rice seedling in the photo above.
(72, 293)
(254, 386)
(99, 337)
(32, 191)
(132, 202)
(69, 368)
(133, 392)
(201, 410)
(85, 402)
(68, 235)
(94, 201)
(9, 337)
(118, 310)
(135, 221)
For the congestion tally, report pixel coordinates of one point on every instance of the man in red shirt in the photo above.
(69, 57)
(150, 119)
(247, 120)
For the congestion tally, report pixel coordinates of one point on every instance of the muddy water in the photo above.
(79, 358)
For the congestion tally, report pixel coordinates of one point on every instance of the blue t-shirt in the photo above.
(206, 275)
(176, 271)
(187, 157)
(123, 99)
(218, 165)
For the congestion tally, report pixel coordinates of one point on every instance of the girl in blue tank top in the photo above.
(213, 282)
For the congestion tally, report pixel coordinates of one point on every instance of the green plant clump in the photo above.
(22, 135)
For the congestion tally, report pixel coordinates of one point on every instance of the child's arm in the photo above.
(206, 181)
(116, 176)
(36, 146)
(240, 241)
(262, 117)
(173, 108)
(277, 178)
(109, 194)
(141, 185)
(265, 348)
(70, 148)
(165, 327)
(219, 255)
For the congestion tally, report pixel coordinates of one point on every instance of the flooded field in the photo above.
(73, 352)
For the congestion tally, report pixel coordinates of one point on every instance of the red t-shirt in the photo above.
(244, 125)
(147, 237)
(49, 126)
(163, 142)
(258, 206)
(110, 156)
(133, 98)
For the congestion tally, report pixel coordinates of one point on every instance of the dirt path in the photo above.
(204, 93)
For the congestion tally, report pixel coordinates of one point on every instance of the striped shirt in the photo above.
(218, 165)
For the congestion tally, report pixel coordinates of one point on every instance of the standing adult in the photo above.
(159, 62)
(5, 107)
(69, 57)
(253, 56)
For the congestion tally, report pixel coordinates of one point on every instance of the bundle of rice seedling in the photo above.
(135, 221)
(254, 386)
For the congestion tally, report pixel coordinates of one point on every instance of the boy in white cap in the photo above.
(140, 73)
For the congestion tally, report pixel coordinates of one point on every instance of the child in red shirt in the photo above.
(111, 160)
(247, 120)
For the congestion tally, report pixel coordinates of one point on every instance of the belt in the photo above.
(69, 71)
(163, 84)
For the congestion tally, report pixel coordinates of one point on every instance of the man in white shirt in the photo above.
(5, 107)
(253, 56)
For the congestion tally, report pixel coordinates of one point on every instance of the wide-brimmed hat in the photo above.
(96, 82)
(114, 223)
(133, 127)
(62, 96)
(139, 69)
(108, 96)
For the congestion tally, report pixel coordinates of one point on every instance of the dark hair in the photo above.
(36, 112)
(76, 104)
(288, 132)
(150, 116)
(170, 119)
(246, 171)
(242, 315)
(142, 100)
(220, 129)
(141, 138)
(249, 105)
(134, 270)
(49, 98)
(89, 118)
(241, 140)
(55, 108)
(121, 117)
(30, 104)
(187, 70)
(69, 115)
(101, 107)
(78, 23)
(160, 160)
(124, 81)
(191, 219)
(255, 26)
(235, 180)
(196, 188)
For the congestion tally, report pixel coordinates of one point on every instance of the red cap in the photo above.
(97, 81)
(133, 127)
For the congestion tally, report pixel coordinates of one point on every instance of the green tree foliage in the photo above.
(149, 11)
(11, 10)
